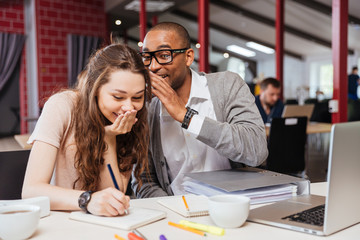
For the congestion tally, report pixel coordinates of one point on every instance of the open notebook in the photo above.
(198, 205)
(136, 217)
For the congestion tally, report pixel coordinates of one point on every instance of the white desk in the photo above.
(58, 226)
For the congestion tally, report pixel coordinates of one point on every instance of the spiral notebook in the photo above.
(198, 205)
(136, 217)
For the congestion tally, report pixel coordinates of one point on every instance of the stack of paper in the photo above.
(256, 195)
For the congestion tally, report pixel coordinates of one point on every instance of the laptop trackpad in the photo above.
(276, 211)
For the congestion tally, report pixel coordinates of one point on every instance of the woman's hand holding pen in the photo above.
(123, 123)
(108, 202)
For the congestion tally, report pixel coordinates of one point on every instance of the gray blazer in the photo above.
(238, 134)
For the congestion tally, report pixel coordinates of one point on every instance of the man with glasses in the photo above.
(198, 122)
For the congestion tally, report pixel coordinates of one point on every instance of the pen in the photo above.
(133, 236)
(187, 207)
(187, 228)
(202, 227)
(139, 234)
(114, 181)
(113, 176)
(162, 237)
(118, 237)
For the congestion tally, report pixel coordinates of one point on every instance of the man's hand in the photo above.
(168, 97)
(123, 124)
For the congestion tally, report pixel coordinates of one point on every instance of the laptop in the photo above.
(12, 172)
(298, 111)
(341, 206)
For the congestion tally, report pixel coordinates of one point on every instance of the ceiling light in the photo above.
(260, 47)
(151, 6)
(118, 22)
(226, 55)
(242, 51)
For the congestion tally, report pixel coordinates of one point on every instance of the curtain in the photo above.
(79, 50)
(11, 46)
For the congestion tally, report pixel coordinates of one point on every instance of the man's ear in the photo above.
(189, 57)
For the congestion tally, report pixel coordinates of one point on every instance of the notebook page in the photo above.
(135, 218)
(198, 205)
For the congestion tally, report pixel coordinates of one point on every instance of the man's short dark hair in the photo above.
(355, 68)
(180, 30)
(270, 81)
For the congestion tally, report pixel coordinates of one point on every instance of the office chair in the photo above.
(12, 171)
(321, 112)
(286, 146)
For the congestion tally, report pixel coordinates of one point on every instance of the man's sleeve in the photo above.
(150, 185)
(241, 136)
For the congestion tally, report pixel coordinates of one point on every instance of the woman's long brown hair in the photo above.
(89, 122)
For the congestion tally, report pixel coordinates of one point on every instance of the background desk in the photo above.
(58, 226)
(312, 127)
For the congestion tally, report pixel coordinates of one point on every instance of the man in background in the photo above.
(268, 101)
(353, 82)
(198, 122)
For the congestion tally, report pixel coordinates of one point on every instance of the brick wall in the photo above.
(56, 19)
(12, 16)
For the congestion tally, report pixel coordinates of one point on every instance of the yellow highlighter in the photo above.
(202, 227)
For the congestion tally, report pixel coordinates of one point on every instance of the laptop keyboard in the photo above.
(313, 216)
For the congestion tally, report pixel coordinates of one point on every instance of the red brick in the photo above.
(53, 51)
(71, 25)
(45, 22)
(53, 33)
(77, 17)
(60, 61)
(47, 79)
(11, 15)
(52, 14)
(18, 25)
(64, 70)
(59, 42)
(4, 24)
(46, 60)
(65, 16)
(44, 3)
(58, 23)
(58, 5)
(53, 70)
(45, 41)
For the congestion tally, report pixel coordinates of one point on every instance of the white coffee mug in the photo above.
(229, 211)
(18, 221)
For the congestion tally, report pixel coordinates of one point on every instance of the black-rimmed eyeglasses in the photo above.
(163, 56)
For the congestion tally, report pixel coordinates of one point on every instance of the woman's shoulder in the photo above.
(63, 95)
(66, 97)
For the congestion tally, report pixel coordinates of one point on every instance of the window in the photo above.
(321, 79)
(236, 65)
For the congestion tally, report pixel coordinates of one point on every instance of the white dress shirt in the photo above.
(183, 152)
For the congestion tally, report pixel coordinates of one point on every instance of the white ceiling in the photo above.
(299, 16)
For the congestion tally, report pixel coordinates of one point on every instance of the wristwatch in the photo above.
(84, 200)
(189, 114)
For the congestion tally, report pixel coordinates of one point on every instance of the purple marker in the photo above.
(162, 237)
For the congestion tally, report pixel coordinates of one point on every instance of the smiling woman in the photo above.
(103, 121)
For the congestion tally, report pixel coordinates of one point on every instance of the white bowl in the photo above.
(18, 221)
(229, 211)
